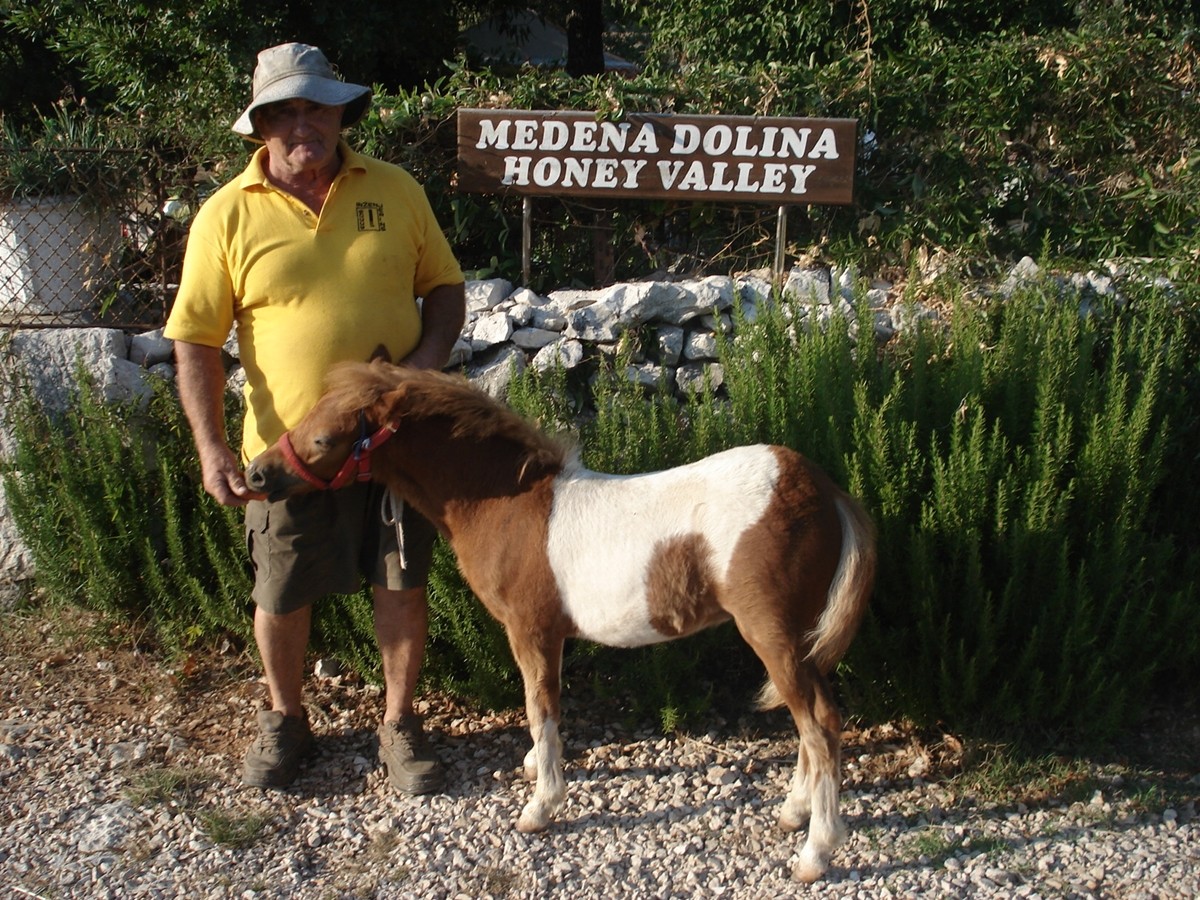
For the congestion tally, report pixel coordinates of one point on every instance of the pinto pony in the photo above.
(755, 534)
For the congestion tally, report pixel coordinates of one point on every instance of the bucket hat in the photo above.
(300, 71)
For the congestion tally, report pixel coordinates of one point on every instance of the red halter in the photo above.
(356, 467)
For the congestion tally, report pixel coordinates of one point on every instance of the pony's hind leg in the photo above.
(541, 663)
(813, 793)
(797, 805)
(815, 789)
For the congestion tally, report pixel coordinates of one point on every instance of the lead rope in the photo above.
(391, 511)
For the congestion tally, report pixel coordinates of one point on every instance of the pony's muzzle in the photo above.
(272, 478)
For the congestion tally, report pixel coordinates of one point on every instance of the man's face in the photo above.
(301, 136)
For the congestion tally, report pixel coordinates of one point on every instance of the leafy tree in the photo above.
(822, 31)
(33, 78)
(170, 69)
(182, 71)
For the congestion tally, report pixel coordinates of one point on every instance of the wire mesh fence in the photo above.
(90, 237)
(96, 237)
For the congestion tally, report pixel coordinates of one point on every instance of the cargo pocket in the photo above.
(258, 545)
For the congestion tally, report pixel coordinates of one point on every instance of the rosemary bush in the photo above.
(1022, 463)
(1016, 463)
(107, 498)
(1028, 466)
(467, 653)
(1030, 581)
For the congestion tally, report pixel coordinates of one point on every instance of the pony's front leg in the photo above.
(550, 788)
(540, 662)
(531, 760)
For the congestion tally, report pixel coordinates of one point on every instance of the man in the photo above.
(317, 254)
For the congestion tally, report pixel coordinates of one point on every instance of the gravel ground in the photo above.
(119, 779)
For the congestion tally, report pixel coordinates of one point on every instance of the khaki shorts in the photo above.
(326, 542)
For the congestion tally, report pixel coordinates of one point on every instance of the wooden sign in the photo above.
(713, 158)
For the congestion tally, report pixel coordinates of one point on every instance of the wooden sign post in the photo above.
(755, 159)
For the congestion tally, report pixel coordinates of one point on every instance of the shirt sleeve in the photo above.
(437, 265)
(203, 310)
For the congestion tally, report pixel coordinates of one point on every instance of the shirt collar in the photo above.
(254, 177)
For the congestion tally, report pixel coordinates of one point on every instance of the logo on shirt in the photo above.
(370, 216)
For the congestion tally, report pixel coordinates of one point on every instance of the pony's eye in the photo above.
(324, 442)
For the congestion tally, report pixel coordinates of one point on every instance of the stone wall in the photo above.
(681, 320)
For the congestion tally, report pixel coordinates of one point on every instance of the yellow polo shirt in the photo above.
(307, 291)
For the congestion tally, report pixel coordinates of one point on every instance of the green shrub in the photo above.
(1028, 465)
(1031, 577)
(468, 653)
(107, 498)
(1026, 468)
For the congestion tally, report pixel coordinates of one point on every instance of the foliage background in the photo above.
(987, 131)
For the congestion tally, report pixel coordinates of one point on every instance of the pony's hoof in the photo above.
(790, 822)
(794, 816)
(809, 867)
(532, 821)
(808, 872)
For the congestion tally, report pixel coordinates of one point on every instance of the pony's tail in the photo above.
(851, 587)
(848, 595)
(768, 697)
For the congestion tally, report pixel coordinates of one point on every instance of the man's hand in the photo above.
(223, 478)
(442, 313)
(202, 391)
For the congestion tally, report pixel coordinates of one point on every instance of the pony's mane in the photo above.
(430, 394)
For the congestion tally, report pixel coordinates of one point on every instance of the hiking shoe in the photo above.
(273, 759)
(411, 764)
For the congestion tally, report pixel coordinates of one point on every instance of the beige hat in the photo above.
(292, 71)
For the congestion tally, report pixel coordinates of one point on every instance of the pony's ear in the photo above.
(394, 402)
(380, 353)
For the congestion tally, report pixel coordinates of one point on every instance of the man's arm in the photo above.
(443, 312)
(201, 378)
